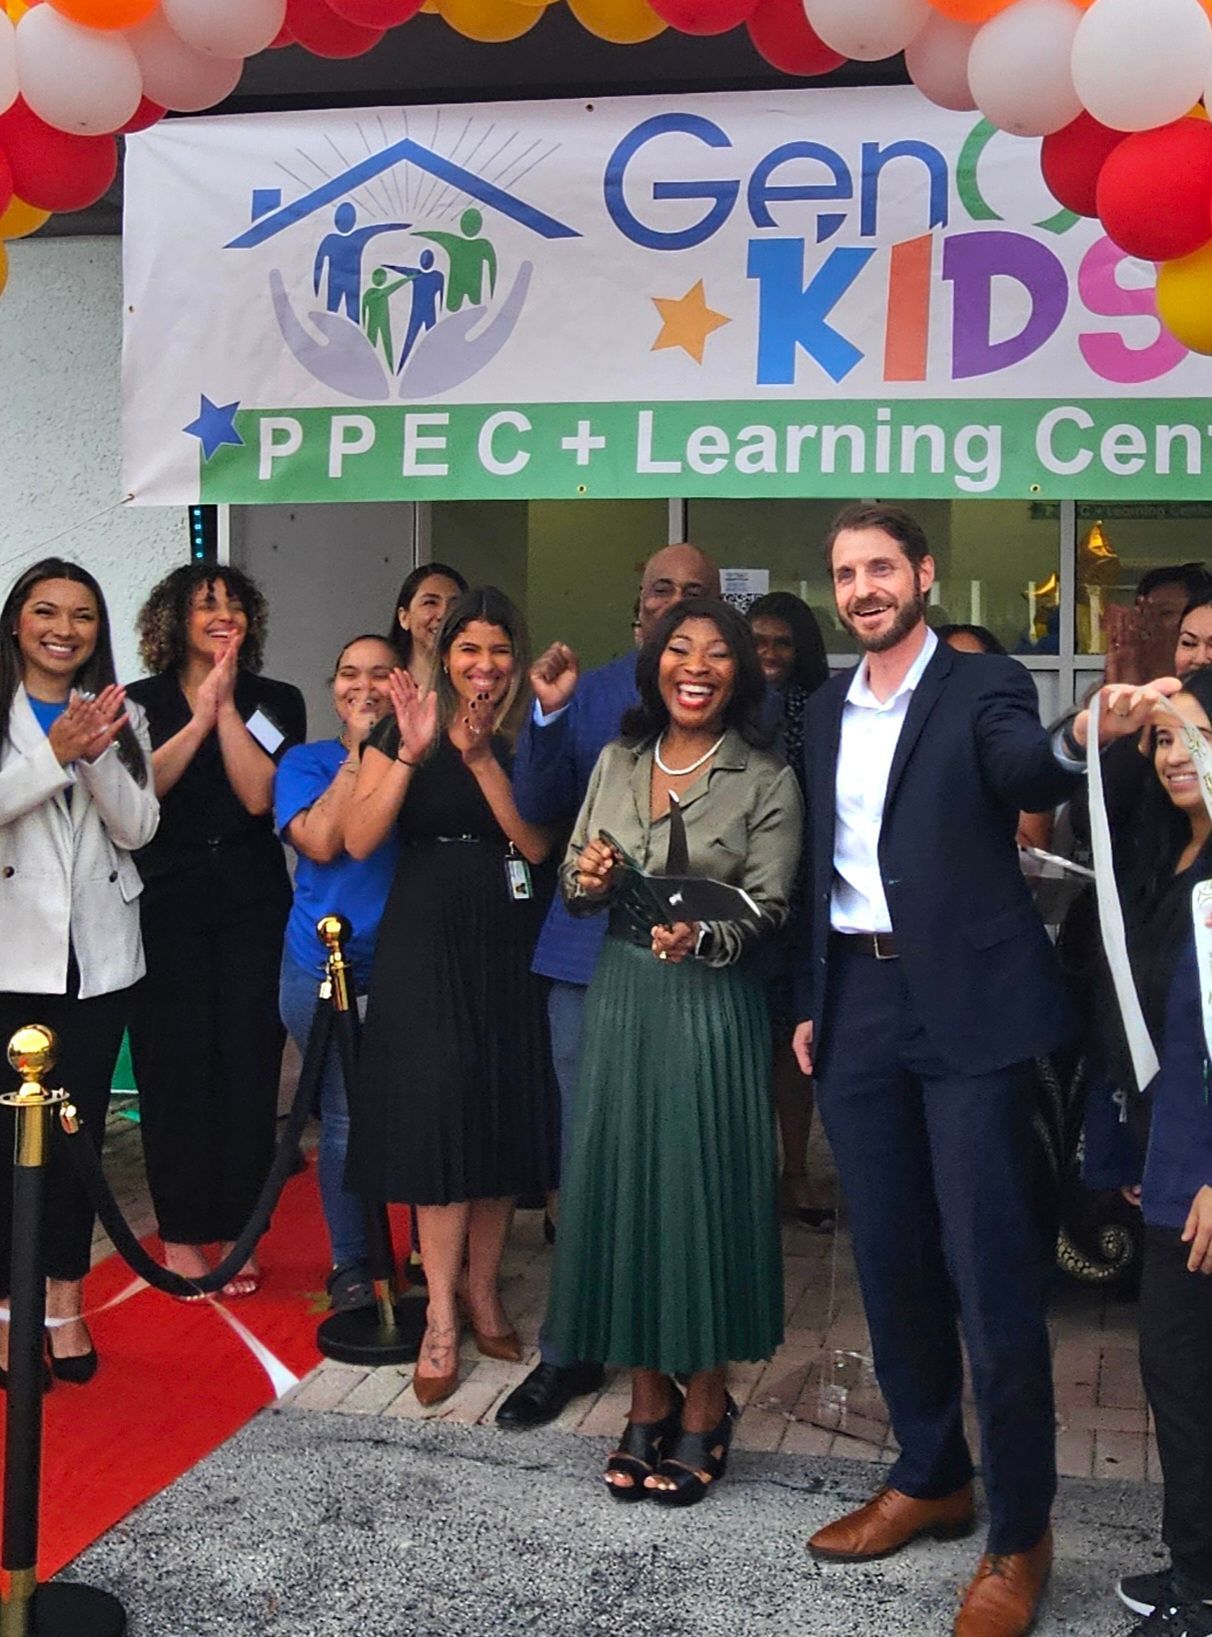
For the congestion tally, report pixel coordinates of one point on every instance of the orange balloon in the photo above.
(20, 219)
(972, 12)
(622, 22)
(107, 13)
(17, 9)
(490, 20)
(3, 268)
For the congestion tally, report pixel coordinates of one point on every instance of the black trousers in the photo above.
(940, 1172)
(1176, 1364)
(90, 1038)
(206, 1040)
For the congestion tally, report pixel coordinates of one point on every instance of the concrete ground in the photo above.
(323, 1525)
(349, 1509)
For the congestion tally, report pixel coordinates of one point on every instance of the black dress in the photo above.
(457, 1093)
(206, 1039)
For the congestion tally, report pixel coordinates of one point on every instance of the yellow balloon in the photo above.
(623, 22)
(16, 10)
(490, 20)
(20, 219)
(3, 268)
(1184, 299)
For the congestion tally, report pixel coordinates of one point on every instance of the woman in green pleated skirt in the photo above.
(668, 1255)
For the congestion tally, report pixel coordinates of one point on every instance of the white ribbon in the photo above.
(1111, 915)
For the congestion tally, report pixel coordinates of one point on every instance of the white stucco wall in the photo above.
(60, 388)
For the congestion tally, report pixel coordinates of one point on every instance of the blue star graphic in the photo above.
(215, 426)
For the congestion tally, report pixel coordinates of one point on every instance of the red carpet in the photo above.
(175, 1380)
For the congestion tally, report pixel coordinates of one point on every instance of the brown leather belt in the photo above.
(880, 944)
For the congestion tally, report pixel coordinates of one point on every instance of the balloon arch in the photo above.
(1116, 89)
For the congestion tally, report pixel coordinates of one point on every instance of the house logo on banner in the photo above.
(784, 294)
(411, 308)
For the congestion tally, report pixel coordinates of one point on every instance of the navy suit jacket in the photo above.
(550, 777)
(982, 978)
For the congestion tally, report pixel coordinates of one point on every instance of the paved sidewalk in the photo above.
(815, 1398)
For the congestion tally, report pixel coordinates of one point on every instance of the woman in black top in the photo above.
(206, 1038)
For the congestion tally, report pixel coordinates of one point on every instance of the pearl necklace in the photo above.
(680, 772)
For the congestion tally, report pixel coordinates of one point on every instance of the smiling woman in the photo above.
(457, 1110)
(206, 1040)
(75, 798)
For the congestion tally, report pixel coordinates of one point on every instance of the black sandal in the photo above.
(691, 1454)
(640, 1448)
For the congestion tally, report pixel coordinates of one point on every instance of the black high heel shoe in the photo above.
(694, 1453)
(640, 1448)
(78, 1369)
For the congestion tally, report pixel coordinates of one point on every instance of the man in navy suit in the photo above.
(575, 717)
(925, 982)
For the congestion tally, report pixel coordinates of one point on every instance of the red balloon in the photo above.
(376, 13)
(318, 29)
(54, 170)
(783, 35)
(282, 38)
(1155, 191)
(1071, 159)
(148, 113)
(703, 16)
(6, 184)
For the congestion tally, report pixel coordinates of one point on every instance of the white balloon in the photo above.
(225, 28)
(1018, 67)
(83, 80)
(1141, 63)
(8, 64)
(868, 30)
(175, 75)
(937, 60)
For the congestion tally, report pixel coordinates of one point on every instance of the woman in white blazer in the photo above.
(76, 799)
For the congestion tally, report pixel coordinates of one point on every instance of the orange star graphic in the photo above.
(687, 322)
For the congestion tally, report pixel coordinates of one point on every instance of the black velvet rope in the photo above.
(92, 1178)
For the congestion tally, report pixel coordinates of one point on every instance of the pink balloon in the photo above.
(176, 75)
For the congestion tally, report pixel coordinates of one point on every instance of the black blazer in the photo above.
(978, 964)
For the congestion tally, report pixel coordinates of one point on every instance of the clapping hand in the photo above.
(595, 867)
(416, 715)
(553, 677)
(218, 688)
(477, 725)
(88, 727)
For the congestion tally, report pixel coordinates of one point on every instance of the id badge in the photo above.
(517, 874)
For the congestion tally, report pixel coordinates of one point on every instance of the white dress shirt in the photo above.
(870, 730)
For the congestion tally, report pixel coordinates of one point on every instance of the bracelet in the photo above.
(1077, 752)
(404, 762)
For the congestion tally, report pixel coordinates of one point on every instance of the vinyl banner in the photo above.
(809, 292)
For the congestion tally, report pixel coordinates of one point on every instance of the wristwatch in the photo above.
(702, 944)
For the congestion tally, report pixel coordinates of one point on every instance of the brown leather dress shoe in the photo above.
(891, 1520)
(1003, 1600)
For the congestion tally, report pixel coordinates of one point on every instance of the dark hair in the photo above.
(363, 636)
(1199, 599)
(96, 673)
(400, 639)
(492, 606)
(1162, 830)
(1194, 577)
(163, 620)
(877, 514)
(982, 633)
(811, 664)
(645, 721)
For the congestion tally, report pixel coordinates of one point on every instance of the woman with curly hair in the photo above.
(206, 1038)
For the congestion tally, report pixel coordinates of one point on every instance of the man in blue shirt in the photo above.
(574, 718)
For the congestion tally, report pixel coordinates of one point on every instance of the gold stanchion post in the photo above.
(30, 1610)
